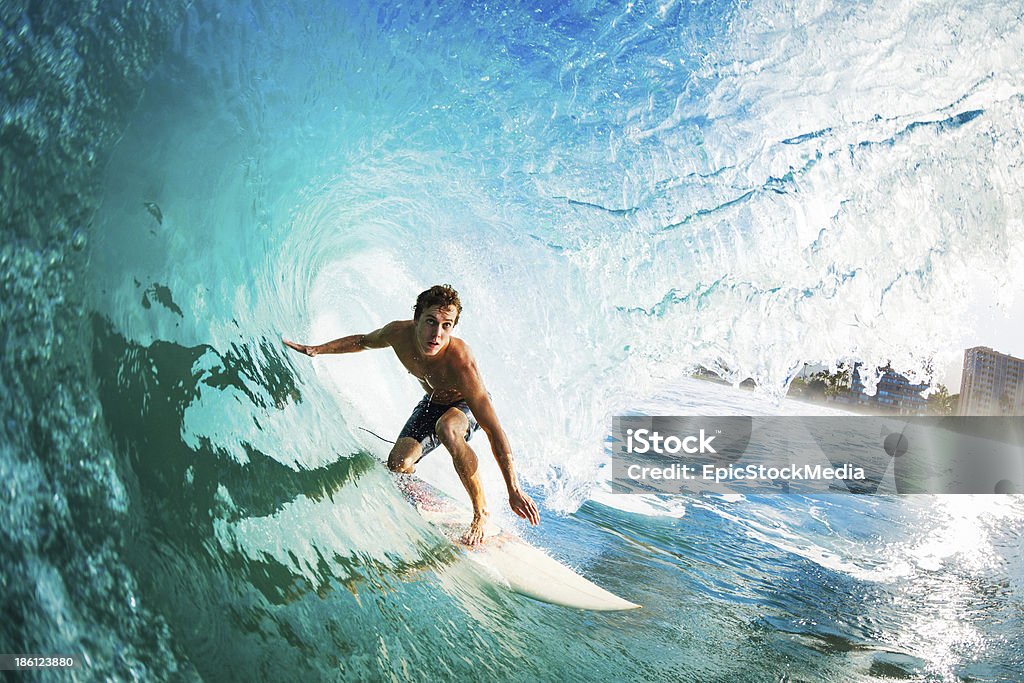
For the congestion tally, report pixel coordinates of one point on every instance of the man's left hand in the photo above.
(523, 506)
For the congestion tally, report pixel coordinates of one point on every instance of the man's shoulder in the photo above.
(463, 366)
(396, 327)
(459, 347)
(460, 355)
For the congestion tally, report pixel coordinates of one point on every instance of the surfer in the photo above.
(455, 403)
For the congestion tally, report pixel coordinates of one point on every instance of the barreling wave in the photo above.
(621, 194)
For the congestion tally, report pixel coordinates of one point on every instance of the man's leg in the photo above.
(451, 429)
(404, 455)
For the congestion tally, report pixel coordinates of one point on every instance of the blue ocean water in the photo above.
(621, 192)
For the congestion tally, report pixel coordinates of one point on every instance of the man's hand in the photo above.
(523, 506)
(301, 348)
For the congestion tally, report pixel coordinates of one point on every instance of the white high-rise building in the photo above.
(992, 383)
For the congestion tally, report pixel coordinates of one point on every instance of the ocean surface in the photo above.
(622, 192)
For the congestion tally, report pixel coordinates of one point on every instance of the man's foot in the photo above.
(475, 534)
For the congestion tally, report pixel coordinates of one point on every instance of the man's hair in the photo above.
(438, 295)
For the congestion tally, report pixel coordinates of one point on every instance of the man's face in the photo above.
(434, 329)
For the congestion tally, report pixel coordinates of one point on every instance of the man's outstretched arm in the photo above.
(378, 339)
(480, 403)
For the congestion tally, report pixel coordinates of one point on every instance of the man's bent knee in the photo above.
(451, 429)
(404, 455)
(403, 466)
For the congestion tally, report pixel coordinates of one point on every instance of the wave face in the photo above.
(621, 194)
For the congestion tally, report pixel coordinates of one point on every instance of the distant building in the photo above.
(992, 383)
(894, 393)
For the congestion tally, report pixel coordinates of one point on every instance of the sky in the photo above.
(995, 319)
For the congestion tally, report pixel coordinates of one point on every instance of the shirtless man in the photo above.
(455, 403)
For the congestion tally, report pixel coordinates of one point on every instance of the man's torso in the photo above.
(439, 377)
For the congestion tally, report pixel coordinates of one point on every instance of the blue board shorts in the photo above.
(421, 424)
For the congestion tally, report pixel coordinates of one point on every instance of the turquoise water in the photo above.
(621, 193)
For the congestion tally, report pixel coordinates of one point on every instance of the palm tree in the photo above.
(940, 402)
(835, 383)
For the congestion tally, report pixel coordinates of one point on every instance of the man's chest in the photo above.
(436, 376)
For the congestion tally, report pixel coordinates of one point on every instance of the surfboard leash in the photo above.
(377, 435)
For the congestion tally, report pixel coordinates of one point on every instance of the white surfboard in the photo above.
(508, 559)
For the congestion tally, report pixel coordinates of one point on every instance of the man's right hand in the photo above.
(301, 348)
(523, 506)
